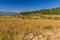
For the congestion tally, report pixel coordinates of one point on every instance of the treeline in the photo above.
(54, 11)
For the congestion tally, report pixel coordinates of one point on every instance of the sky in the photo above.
(27, 5)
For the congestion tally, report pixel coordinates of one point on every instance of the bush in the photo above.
(48, 27)
(27, 39)
(1, 38)
(49, 17)
(42, 17)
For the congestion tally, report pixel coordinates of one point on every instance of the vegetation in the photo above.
(41, 14)
(49, 27)
(31, 25)
(54, 11)
(13, 28)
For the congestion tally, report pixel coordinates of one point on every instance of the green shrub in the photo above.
(1, 38)
(27, 38)
(49, 17)
(42, 17)
(48, 27)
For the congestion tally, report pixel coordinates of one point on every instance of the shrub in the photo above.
(1, 38)
(27, 39)
(48, 27)
(42, 17)
(49, 17)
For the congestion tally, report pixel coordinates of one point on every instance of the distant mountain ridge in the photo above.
(8, 13)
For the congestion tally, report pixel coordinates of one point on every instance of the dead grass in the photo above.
(13, 28)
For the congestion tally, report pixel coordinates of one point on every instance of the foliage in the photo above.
(1, 38)
(48, 27)
(27, 39)
(54, 11)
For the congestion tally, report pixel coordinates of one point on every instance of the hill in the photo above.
(53, 11)
(7, 13)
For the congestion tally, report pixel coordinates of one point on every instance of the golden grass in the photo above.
(13, 28)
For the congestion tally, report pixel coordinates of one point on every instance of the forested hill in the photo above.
(53, 11)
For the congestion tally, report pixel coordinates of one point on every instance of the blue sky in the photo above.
(27, 5)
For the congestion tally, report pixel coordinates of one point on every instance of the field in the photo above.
(13, 28)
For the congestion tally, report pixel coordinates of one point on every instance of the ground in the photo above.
(13, 28)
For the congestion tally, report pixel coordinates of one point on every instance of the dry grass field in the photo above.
(13, 28)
